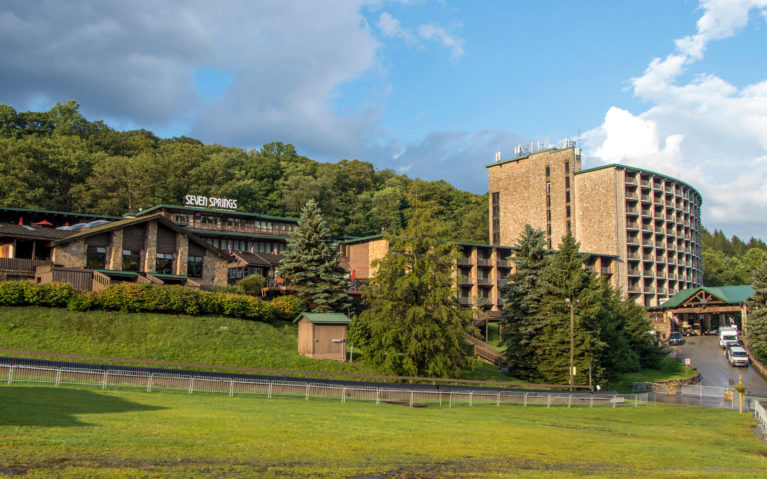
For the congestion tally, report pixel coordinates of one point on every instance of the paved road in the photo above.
(710, 361)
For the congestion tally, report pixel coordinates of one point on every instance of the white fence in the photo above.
(760, 413)
(117, 378)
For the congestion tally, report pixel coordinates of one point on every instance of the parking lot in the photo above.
(710, 361)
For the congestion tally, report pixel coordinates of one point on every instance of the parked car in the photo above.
(675, 339)
(731, 345)
(737, 356)
(727, 338)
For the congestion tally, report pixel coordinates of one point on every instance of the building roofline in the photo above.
(212, 210)
(361, 239)
(522, 157)
(237, 234)
(641, 170)
(54, 212)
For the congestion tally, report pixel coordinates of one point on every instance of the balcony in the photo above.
(634, 241)
(484, 262)
(631, 180)
(464, 261)
(633, 272)
(633, 255)
(464, 300)
(503, 263)
(605, 270)
(646, 199)
(632, 211)
(464, 281)
(241, 227)
(484, 282)
(648, 257)
(649, 290)
(660, 274)
(631, 196)
(647, 213)
(634, 288)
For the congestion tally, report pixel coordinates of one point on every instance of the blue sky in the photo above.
(428, 88)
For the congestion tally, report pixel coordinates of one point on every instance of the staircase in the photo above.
(484, 351)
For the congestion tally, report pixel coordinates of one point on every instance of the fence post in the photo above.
(231, 387)
(451, 399)
(548, 400)
(525, 403)
(191, 384)
(58, 377)
(378, 396)
(636, 400)
(440, 399)
(591, 400)
(569, 399)
(411, 398)
(270, 390)
(471, 396)
(615, 400)
(343, 395)
(307, 392)
(104, 382)
(10, 374)
(498, 401)
(149, 382)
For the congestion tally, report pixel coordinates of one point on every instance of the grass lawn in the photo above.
(77, 432)
(670, 369)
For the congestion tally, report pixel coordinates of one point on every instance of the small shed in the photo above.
(322, 335)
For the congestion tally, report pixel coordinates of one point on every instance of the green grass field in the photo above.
(77, 432)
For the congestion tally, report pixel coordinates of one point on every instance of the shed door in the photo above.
(330, 341)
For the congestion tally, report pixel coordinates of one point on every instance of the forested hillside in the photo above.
(729, 262)
(59, 160)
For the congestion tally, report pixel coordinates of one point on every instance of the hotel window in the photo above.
(548, 171)
(96, 257)
(194, 266)
(548, 187)
(567, 167)
(548, 215)
(567, 182)
(164, 263)
(131, 260)
(548, 201)
(567, 211)
(567, 196)
(568, 226)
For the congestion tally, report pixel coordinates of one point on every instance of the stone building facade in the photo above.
(650, 223)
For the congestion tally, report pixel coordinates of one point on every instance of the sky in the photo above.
(431, 89)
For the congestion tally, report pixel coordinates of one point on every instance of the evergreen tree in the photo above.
(413, 324)
(757, 314)
(564, 278)
(521, 301)
(311, 264)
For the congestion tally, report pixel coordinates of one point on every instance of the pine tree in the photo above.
(413, 324)
(564, 278)
(311, 264)
(757, 314)
(521, 302)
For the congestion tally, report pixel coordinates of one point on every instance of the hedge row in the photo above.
(132, 297)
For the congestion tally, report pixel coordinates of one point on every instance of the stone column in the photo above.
(115, 260)
(150, 247)
(182, 254)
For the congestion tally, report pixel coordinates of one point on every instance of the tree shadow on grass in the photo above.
(46, 406)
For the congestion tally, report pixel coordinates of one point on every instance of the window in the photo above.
(194, 266)
(567, 167)
(548, 187)
(567, 196)
(548, 201)
(548, 215)
(131, 260)
(96, 257)
(548, 171)
(548, 232)
(164, 263)
(567, 182)
(567, 211)
(568, 226)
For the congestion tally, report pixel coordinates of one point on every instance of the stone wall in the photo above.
(214, 270)
(115, 259)
(73, 254)
(182, 254)
(150, 248)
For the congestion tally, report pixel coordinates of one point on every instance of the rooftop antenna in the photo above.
(497, 156)
(579, 137)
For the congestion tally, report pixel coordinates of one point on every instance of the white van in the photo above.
(727, 336)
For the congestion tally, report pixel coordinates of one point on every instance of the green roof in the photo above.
(626, 167)
(207, 233)
(324, 318)
(116, 271)
(167, 276)
(728, 294)
(211, 210)
(54, 212)
(357, 239)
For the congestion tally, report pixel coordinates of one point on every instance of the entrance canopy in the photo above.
(706, 307)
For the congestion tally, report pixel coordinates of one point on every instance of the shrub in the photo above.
(252, 285)
(12, 293)
(48, 294)
(287, 307)
(82, 302)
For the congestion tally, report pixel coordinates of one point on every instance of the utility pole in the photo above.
(572, 304)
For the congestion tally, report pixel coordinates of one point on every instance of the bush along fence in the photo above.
(231, 386)
(150, 298)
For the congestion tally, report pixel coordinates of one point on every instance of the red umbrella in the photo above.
(44, 223)
(20, 222)
(354, 276)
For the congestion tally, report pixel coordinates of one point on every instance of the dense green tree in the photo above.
(311, 264)
(521, 302)
(757, 313)
(413, 324)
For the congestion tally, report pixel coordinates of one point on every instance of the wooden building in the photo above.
(322, 335)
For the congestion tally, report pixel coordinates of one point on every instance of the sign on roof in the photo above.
(210, 202)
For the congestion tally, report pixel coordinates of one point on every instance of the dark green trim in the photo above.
(361, 239)
(211, 210)
(324, 318)
(206, 233)
(640, 170)
(169, 276)
(53, 212)
(115, 271)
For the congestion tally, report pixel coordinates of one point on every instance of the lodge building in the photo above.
(648, 222)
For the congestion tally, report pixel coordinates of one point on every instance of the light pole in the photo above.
(572, 304)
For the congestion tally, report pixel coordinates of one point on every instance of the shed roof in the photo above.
(324, 318)
(32, 232)
(729, 294)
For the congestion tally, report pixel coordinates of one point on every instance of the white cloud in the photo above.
(392, 28)
(455, 44)
(706, 131)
